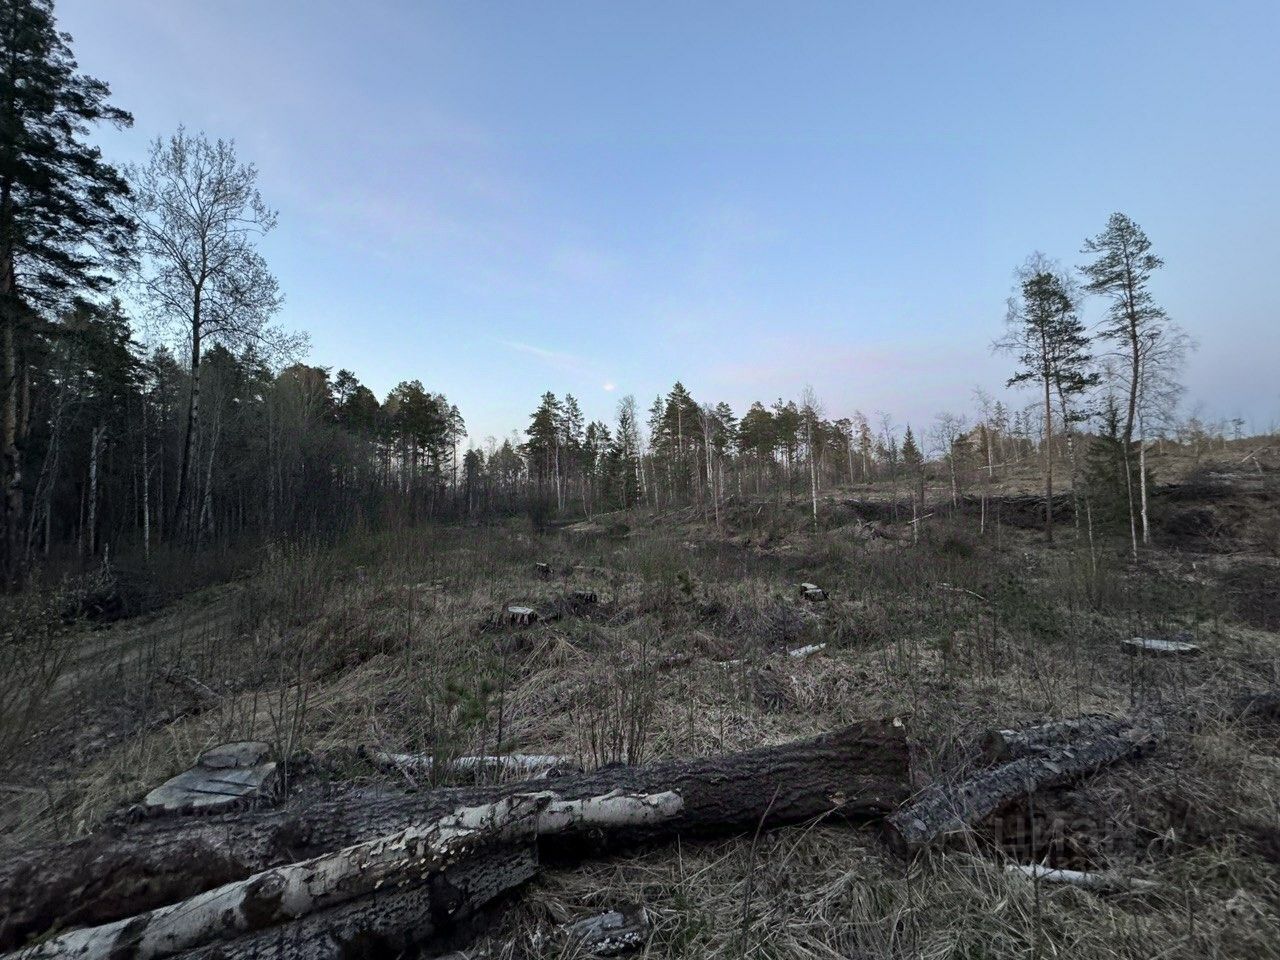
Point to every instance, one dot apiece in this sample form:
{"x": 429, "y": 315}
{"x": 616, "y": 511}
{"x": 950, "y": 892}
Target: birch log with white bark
{"x": 395, "y": 862}
{"x": 525, "y": 766}
{"x": 861, "y": 771}
{"x": 388, "y": 923}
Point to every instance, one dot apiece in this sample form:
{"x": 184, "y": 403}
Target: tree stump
{"x": 812, "y": 592}
{"x": 222, "y": 776}
{"x": 521, "y": 616}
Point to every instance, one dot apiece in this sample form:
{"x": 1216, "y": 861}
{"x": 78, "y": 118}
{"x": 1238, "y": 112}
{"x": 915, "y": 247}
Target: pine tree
{"x": 544, "y": 433}
{"x": 758, "y": 438}
{"x": 625, "y": 454}
{"x": 1146, "y": 342}
{"x": 913, "y": 463}
{"x": 1105, "y": 483}
{"x": 1051, "y": 346}
{"x": 61, "y": 218}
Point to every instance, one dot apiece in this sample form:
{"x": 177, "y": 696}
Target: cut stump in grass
{"x": 521, "y": 616}
{"x": 224, "y": 776}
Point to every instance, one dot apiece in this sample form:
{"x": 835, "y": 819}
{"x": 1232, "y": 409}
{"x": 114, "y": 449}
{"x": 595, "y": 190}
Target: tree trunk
{"x": 146, "y": 486}
{"x": 186, "y": 465}
{"x": 861, "y": 771}
{"x": 1048, "y": 452}
{"x": 1142, "y": 486}
{"x": 10, "y": 454}
{"x": 813, "y": 475}
{"x": 95, "y": 445}
{"x": 943, "y": 811}
{"x": 391, "y": 923}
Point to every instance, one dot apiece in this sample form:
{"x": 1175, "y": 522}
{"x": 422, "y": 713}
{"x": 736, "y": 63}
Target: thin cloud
{"x": 558, "y": 358}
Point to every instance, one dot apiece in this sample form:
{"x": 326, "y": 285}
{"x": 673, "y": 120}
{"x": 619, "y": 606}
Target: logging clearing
{"x": 299, "y": 665}
{"x": 505, "y": 798}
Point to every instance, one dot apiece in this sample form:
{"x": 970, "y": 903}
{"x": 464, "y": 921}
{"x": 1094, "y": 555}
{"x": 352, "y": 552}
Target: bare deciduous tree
{"x": 200, "y": 216}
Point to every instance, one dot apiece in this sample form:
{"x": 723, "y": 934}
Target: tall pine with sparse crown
{"x": 61, "y": 222}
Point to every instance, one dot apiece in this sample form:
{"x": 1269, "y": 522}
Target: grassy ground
{"x": 397, "y": 641}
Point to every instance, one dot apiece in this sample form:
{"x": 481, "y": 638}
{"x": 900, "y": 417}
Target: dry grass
{"x": 397, "y": 641}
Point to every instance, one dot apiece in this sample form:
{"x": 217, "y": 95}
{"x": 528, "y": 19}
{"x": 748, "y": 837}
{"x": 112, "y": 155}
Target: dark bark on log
{"x": 943, "y": 811}
{"x": 858, "y": 772}
{"x": 1003, "y": 745}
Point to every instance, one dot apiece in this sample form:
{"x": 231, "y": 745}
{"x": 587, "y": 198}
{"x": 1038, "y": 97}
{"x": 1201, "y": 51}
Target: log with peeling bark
{"x": 525, "y": 766}
{"x": 420, "y": 854}
{"x": 946, "y": 810}
{"x": 859, "y": 772}
{"x": 1002, "y": 745}
{"x": 389, "y": 923}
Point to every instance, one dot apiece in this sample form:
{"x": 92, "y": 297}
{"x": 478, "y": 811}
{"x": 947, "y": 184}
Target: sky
{"x": 600, "y": 198}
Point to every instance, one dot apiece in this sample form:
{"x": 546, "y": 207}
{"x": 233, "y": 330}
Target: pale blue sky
{"x": 601, "y": 197}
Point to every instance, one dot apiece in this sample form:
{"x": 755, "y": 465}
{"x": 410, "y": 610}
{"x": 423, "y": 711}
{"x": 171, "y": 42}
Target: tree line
{"x": 148, "y": 396}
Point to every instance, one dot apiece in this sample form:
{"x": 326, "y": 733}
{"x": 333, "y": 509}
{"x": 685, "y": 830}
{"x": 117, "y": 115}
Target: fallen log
{"x": 400, "y": 861}
{"x": 943, "y": 811}
{"x": 388, "y": 923}
{"x": 525, "y": 766}
{"x": 1002, "y": 745}
{"x": 858, "y": 772}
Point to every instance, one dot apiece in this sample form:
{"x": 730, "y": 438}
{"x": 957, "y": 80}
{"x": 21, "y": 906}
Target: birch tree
{"x": 811, "y": 417}
{"x": 200, "y": 217}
